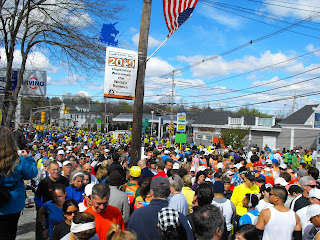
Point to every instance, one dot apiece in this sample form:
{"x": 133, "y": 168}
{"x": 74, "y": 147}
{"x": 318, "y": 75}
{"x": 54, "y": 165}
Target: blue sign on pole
{"x": 14, "y": 80}
{"x": 317, "y": 120}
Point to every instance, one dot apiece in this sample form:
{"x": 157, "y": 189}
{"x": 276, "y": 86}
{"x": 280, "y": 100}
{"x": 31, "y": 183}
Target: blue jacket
{"x": 144, "y": 221}
{"x": 26, "y": 169}
{"x": 75, "y": 193}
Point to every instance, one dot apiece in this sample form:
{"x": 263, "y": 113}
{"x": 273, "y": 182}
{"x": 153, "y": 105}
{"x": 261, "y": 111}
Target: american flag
{"x": 176, "y": 12}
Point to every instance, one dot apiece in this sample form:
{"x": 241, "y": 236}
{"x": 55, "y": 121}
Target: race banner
{"x": 120, "y": 73}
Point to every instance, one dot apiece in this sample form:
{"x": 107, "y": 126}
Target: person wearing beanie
{"x": 227, "y": 207}
{"x": 118, "y": 198}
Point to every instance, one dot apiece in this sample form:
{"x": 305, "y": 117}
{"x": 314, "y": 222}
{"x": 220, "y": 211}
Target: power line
{"x": 269, "y": 101}
{"x": 267, "y": 83}
{"x": 242, "y": 46}
{"x": 254, "y": 12}
{"x": 277, "y": 5}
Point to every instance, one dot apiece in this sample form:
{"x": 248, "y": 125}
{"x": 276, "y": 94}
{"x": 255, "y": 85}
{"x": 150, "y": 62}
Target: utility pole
{"x": 139, "y": 94}
{"x": 294, "y": 101}
{"x": 171, "y": 117}
{"x": 105, "y": 115}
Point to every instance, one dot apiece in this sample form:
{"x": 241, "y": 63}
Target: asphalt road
{"x": 27, "y": 224}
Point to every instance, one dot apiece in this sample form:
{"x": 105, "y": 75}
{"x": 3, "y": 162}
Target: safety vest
{"x": 203, "y": 162}
{"x": 131, "y": 191}
{"x": 268, "y": 174}
{"x": 294, "y": 179}
{"x": 211, "y": 163}
{"x": 307, "y": 159}
{"x": 141, "y": 203}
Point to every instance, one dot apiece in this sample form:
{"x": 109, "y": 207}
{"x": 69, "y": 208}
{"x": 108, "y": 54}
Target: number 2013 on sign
{"x": 122, "y": 62}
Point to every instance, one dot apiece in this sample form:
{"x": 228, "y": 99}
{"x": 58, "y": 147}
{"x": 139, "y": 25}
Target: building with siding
{"x": 299, "y": 129}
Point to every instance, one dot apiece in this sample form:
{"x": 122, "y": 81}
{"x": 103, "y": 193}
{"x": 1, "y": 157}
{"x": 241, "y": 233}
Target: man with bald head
{"x": 87, "y": 168}
{"x": 145, "y": 171}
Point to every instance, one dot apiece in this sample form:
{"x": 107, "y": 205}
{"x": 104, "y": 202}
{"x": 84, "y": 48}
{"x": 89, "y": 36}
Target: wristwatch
{"x": 44, "y": 227}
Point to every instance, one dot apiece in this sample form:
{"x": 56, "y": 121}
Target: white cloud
{"x": 292, "y": 8}
{"x": 311, "y": 48}
{"x": 83, "y": 93}
{"x": 36, "y": 60}
{"x": 152, "y": 42}
{"x": 69, "y": 80}
{"x": 81, "y": 20}
{"x": 93, "y": 86}
{"x": 157, "y": 67}
{"x": 220, "y": 17}
{"x": 220, "y": 67}
{"x": 295, "y": 84}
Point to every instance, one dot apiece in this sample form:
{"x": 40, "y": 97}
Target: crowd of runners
{"x": 85, "y": 188}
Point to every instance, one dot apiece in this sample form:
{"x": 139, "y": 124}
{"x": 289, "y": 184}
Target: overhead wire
{"x": 270, "y": 82}
{"x": 254, "y": 12}
{"x": 240, "y": 46}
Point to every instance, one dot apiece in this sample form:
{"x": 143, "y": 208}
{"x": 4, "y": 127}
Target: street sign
{"x": 181, "y": 138}
{"x": 98, "y": 121}
{"x": 145, "y": 123}
{"x": 181, "y": 122}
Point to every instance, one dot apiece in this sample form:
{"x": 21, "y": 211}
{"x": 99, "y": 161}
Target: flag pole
{"x": 168, "y": 38}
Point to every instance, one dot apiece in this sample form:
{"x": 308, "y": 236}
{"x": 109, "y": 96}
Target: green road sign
{"x": 181, "y": 138}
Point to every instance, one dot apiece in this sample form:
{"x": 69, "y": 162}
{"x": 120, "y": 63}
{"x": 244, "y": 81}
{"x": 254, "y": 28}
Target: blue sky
{"x": 227, "y": 81}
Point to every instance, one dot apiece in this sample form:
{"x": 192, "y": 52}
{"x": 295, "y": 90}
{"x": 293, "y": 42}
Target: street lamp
{"x": 152, "y": 112}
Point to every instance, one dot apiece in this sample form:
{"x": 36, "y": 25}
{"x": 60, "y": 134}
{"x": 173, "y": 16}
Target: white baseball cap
{"x": 220, "y": 165}
{"x": 66, "y": 163}
{"x": 283, "y": 166}
{"x": 192, "y": 169}
{"x": 166, "y": 152}
{"x": 269, "y": 161}
{"x": 176, "y": 166}
{"x": 201, "y": 168}
{"x": 313, "y": 210}
{"x": 238, "y": 165}
{"x": 60, "y": 152}
{"x": 88, "y": 189}
{"x": 280, "y": 181}
{"x": 314, "y": 192}
{"x": 85, "y": 148}
{"x": 107, "y": 150}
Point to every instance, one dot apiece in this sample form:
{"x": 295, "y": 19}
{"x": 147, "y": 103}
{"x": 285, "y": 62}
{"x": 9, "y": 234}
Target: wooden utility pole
{"x": 139, "y": 94}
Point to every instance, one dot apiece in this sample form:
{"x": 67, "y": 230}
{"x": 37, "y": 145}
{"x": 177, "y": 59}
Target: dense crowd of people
{"x": 86, "y": 188}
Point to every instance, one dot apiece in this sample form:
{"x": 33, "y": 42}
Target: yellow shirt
{"x": 189, "y": 194}
{"x": 238, "y": 195}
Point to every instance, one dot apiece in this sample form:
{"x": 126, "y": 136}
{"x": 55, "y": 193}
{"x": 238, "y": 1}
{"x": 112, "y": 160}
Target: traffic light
{"x": 43, "y": 117}
{"x": 32, "y": 118}
{"x": 170, "y": 127}
{"x": 67, "y": 109}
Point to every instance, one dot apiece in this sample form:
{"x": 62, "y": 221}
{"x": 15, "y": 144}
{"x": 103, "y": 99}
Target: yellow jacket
{"x": 238, "y": 195}
{"x": 189, "y": 194}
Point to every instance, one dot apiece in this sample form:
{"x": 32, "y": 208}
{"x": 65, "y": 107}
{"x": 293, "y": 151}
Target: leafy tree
{"x": 235, "y": 137}
{"x": 67, "y": 31}
{"x": 246, "y": 111}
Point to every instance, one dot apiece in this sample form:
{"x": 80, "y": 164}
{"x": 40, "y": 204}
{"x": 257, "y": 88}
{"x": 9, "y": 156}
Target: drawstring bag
{"x": 5, "y": 194}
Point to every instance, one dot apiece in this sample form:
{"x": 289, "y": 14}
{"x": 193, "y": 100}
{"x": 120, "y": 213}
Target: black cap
{"x": 250, "y": 176}
{"x": 152, "y": 161}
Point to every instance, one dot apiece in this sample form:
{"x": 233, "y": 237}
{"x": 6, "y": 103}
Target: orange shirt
{"x": 103, "y": 221}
